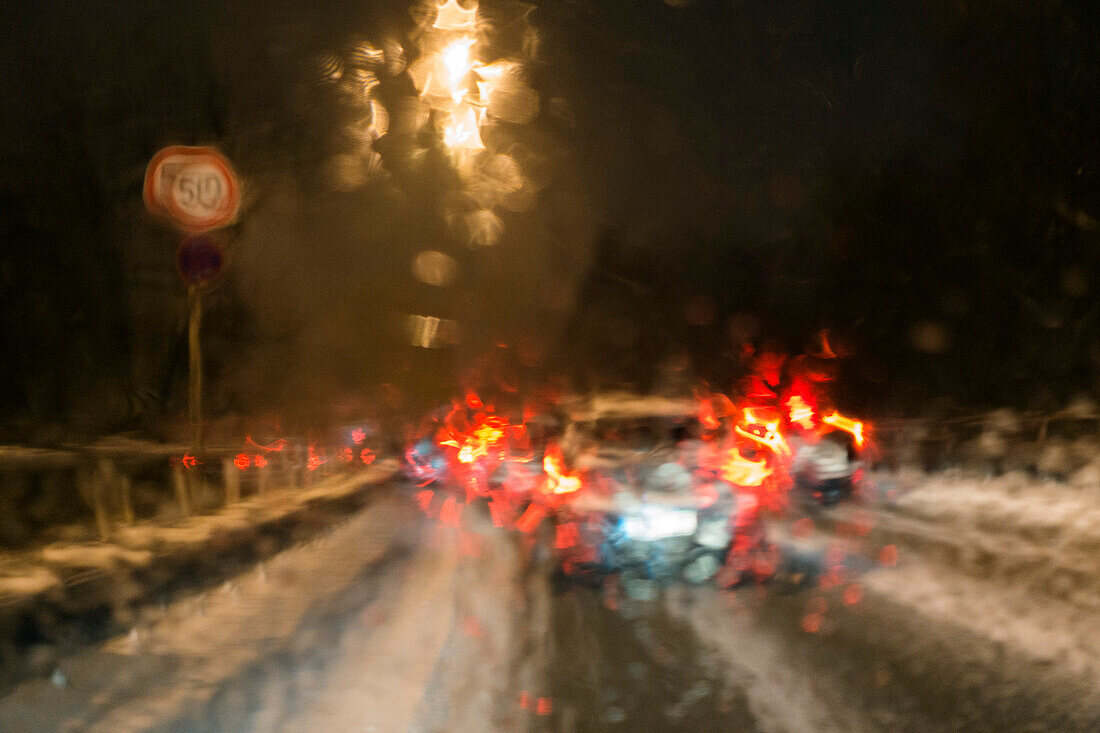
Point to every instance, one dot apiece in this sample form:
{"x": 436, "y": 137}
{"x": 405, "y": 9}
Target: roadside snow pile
{"x": 1053, "y": 515}
{"x": 197, "y": 664}
{"x": 21, "y": 579}
{"x": 94, "y": 556}
{"x": 1038, "y": 537}
{"x": 1047, "y": 631}
{"x": 43, "y": 591}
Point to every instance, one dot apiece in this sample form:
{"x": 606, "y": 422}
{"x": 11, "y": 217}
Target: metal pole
{"x": 194, "y": 402}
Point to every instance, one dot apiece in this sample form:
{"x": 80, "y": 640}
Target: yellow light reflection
{"x": 461, "y": 131}
{"x": 455, "y": 59}
{"x": 451, "y": 16}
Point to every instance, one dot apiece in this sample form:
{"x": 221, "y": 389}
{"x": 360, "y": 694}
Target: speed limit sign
{"x": 194, "y": 187}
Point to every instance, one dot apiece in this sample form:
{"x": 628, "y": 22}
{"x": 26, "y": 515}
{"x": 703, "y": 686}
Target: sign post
{"x": 199, "y": 261}
{"x": 197, "y": 190}
{"x": 194, "y": 372}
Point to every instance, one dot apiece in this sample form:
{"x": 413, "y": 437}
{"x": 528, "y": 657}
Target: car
{"x": 609, "y": 430}
{"x": 826, "y": 467}
{"x": 648, "y": 515}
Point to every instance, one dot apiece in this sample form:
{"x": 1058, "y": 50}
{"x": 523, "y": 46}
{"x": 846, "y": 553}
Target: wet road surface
{"x": 392, "y": 622}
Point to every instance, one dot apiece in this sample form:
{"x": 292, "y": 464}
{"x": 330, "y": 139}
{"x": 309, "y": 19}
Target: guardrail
{"x": 44, "y": 492}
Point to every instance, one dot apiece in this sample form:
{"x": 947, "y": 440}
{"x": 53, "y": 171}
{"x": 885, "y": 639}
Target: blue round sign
{"x": 199, "y": 260}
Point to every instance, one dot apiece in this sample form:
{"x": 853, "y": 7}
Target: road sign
{"x": 193, "y": 186}
{"x": 199, "y": 260}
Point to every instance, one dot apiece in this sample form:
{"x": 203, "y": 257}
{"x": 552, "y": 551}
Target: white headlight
{"x": 654, "y": 523}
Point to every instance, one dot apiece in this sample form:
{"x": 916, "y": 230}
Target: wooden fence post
{"x": 179, "y": 482}
{"x": 231, "y": 477}
{"x": 126, "y": 498}
{"x": 290, "y": 475}
{"x": 90, "y": 485}
{"x": 263, "y": 479}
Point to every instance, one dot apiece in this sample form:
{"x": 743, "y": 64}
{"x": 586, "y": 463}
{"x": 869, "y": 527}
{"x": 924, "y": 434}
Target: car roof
{"x": 631, "y": 406}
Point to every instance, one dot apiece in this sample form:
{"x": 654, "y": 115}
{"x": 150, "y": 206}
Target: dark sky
{"x": 918, "y": 177}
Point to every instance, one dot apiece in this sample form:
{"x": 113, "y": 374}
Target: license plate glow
{"x": 656, "y": 523}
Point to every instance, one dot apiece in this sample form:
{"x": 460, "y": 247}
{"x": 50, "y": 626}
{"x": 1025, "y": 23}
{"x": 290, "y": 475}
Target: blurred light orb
{"x": 498, "y": 70}
{"x": 410, "y": 115}
{"x": 515, "y": 103}
{"x": 452, "y": 16}
{"x": 366, "y": 56}
{"x": 532, "y": 43}
{"x": 434, "y": 268}
{"x": 346, "y": 172}
{"x": 431, "y": 332}
{"x": 483, "y": 228}
{"x": 421, "y": 73}
{"x": 394, "y": 55}
{"x": 373, "y": 167}
{"x": 929, "y": 337}
{"x": 358, "y": 85}
{"x": 505, "y": 173}
{"x": 329, "y": 67}
{"x": 521, "y": 200}
{"x": 364, "y": 131}
{"x": 443, "y": 75}
{"x": 537, "y": 171}
{"x": 505, "y": 94}
{"x": 380, "y": 118}
{"x": 456, "y": 62}
{"x": 461, "y": 132}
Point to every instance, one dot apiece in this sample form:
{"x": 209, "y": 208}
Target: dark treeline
{"x": 920, "y": 178}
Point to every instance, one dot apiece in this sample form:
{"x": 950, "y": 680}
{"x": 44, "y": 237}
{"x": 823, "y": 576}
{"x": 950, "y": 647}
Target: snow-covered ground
{"x": 174, "y": 662}
{"x": 64, "y": 594}
{"x": 391, "y": 622}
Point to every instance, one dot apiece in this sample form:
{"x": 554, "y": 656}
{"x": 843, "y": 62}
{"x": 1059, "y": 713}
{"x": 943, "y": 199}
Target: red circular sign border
{"x": 152, "y": 171}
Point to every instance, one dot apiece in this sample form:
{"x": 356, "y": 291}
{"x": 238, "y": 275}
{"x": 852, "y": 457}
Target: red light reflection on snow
{"x": 451, "y": 512}
{"x": 469, "y": 544}
{"x": 314, "y": 461}
{"x": 531, "y": 519}
{"x": 472, "y": 626}
{"x": 566, "y": 536}
{"x": 803, "y": 527}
